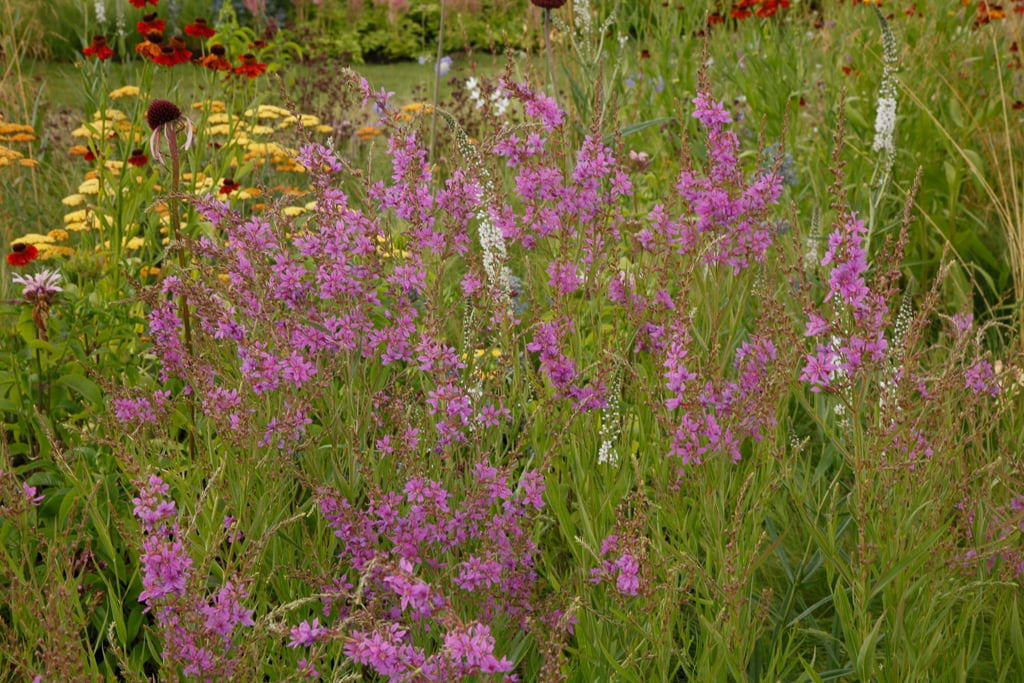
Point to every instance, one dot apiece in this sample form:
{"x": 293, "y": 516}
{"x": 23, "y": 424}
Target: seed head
{"x": 162, "y": 112}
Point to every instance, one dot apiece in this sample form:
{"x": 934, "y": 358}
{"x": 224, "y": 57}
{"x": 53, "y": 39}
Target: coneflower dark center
{"x": 161, "y": 112}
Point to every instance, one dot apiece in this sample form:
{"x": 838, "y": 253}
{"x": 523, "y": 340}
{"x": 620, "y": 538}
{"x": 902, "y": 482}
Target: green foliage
{"x": 835, "y": 549}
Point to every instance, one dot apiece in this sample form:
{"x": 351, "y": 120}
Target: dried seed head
{"x": 162, "y": 112}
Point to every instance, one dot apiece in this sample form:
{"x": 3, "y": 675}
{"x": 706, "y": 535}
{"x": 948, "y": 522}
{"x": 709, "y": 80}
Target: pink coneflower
{"x": 165, "y": 119}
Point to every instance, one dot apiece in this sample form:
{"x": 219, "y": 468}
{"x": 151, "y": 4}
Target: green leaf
{"x": 85, "y": 387}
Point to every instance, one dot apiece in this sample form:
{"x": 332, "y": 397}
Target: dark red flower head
{"x": 142, "y": 3}
{"x": 138, "y": 158}
{"x": 199, "y": 29}
{"x": 228, "y": 185}
{"x": 257, "y": 44}
{"x": 218, "y": 49}
{"x": 98, "y": 49}
{"x": 150, "y": 23}
{"x": 21, "y": 254}
{"x": 162, "y": 112}
{"x": 548, "y": 4}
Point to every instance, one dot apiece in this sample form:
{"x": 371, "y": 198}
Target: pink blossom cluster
{"x": 199, "y": 632}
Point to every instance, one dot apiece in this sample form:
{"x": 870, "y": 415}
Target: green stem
{"x": 41, "y": 400}
{"x": 547, "y": 52}
{"x": 182, "y": 262}
{"x": 176, "y": 230}
{"x": 437, "y": 84}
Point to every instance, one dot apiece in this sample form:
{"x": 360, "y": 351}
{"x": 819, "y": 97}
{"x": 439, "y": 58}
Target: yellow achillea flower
{"x": 73, "y": 200}
{"x": 147, "y": 271}
{"x": 90, "y": 186}
{"x": 48, "y": 251}
{"x": 57, "y": 234}
{"x": 324, "y": 129}
{"x": 125, "y": 91}
{"x": 293, "y": 210}
{"x": 9, "y": 154}
{"x": 77, "y": 216}
{"x": 15, "y": 128}
{"x": 110, "y": 115}
{"x": 268, "y": 111}
{"x": 32, "y": 238}
{"x": 211, "y": 106}
{"x": 28, "y": 163}
{"x": 417, "y": 108}
{"x": 307, "y": 121}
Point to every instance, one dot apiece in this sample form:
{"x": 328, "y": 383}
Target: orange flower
{"x": 98, "y": 49}
{"x": 150, "y": 47}
{"x": 216, "y": 60}
{"x": 250, "y": 67}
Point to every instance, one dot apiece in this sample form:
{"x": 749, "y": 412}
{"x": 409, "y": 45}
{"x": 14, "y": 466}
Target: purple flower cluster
{"x": 718, "y": 413}
{"x": 425, "y": 553}
{"x": 856, "y": 333}
{"x": 723, "y": 217}
{"x": 624, "y": 569}
{"x": 560, "y": 369}
{"x": 199, "y": 633}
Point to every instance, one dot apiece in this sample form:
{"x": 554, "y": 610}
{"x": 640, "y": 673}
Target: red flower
{"x": 142, "y": 3}
{"x": 250, "y": 67}
{"x": 165, "y": 56}
{"x": 21, "y": 254}
{"x": 150, "y": 23}
{"x": 847, "y": 70}
{"x": 199, "y": 29}
{"x": 228, "y": 185}
{"x": 98, "y": 49}
{"x": 181, "y": 53}
{"x": 89, "y": 156}
{"x": 138, "y": 158}
{"x": 258, "y": 44}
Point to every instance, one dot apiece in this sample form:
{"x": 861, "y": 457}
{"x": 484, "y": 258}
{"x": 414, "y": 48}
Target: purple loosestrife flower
{"x": 857, "y": 330}
{"x": 724, "y": 218}
{"x": 306, "y": 634}
{"x": 153, "y": 505}
{"x": 30, "y": 494}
